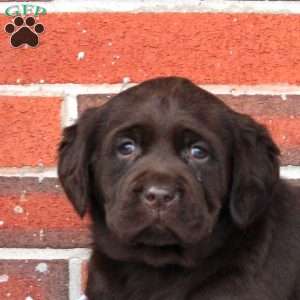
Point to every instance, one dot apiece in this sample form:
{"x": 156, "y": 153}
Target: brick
{"x": 88, "y": 101}
{"x": 262, "y": 105}
{"x": 30, "y": 129}
{"x": 84, "y": 274}
{"x": 40, "y": 280}
{"x": 212, "y": 48}
{"x": 37, "y": 214}
{"x": 282, "y": 117}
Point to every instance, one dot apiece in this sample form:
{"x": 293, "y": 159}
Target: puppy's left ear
{"x": 73, "y": 161}
{"x": 255, "y": 170}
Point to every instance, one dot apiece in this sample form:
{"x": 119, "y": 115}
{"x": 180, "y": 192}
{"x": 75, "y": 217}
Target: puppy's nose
{"x": 155, "y": 196}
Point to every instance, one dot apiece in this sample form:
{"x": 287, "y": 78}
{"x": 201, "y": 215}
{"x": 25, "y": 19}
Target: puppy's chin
{"x": 159, "y": 256}
{"x": 156, "y": 236}
{"x": 152, "y": 248}
{"x": 158, "y": 246}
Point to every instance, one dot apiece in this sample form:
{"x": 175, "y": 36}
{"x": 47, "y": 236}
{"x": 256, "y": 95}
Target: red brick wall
{"x": 251, "y": 60}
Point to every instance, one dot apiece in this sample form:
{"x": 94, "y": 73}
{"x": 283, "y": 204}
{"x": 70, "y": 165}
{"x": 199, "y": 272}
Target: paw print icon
{"x": 24, "y": 31}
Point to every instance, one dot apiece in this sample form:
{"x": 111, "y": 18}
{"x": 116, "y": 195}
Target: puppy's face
{"x": 162, "y": 174}
{"x": 157, "y": 165}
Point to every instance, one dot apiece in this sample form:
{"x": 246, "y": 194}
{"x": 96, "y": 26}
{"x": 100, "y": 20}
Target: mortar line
{"x": 158, "y": 6}
{"x": 68, "y": 89}
{"x": 75, "y": 278}
{"x": 69, "y": 110}
{"x": 35, "y": 172}
{"x": 44, "y": 254}
{"x": 287, "y": 172}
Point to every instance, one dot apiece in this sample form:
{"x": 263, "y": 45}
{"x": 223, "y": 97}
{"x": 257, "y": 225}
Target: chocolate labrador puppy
{"x": 185, "y": 199}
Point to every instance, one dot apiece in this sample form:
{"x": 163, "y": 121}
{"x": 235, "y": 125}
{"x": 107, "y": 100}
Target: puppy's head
{"x": 161, "y": 165}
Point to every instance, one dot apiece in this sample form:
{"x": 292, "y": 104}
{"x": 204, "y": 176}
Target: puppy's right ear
{"x": 73, "y": 161}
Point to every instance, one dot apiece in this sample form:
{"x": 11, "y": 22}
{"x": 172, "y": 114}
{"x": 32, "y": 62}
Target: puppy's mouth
{"x": 156, "y": 236}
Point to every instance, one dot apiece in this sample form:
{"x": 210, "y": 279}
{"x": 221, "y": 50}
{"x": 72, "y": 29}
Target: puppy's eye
{"x": 126, "y": 148}
{"x": 198, "y": 152}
